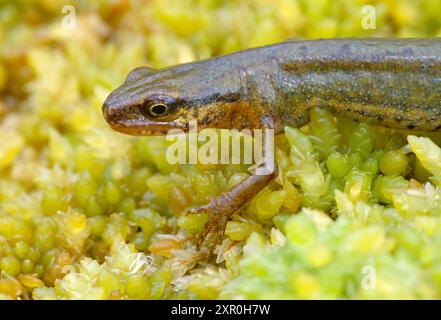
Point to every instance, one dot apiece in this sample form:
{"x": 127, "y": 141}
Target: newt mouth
{"x": 151, "y": 129}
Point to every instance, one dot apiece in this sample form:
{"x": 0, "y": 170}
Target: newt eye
{"x": 158, "y": 109}
{"x": 158, "y": 106}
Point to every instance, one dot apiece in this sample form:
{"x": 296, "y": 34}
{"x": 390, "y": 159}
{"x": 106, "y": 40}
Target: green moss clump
{"x": 86, "y": 213}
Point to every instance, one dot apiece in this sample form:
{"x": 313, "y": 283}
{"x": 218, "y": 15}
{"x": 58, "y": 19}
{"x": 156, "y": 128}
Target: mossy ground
{"x": 86, "y": 213}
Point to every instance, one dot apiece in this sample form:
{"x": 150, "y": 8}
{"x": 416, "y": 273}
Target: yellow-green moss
{"x": 81, "y": 205}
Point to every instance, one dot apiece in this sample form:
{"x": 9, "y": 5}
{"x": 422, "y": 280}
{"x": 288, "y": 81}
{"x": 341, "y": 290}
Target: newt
{"x": 389, "y": 82}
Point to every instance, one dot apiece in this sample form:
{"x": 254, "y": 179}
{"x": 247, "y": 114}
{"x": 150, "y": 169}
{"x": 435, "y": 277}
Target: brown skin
{"x": 390, "y": 82}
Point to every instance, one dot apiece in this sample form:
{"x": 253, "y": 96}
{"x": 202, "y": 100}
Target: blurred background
{"x": 71, "y": 188}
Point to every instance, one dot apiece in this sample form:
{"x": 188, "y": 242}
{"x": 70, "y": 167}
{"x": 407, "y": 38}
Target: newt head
{"x": 152, "y": 102}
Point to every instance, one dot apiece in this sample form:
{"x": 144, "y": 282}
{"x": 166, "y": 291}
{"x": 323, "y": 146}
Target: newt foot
{"x": 218, "y": 216}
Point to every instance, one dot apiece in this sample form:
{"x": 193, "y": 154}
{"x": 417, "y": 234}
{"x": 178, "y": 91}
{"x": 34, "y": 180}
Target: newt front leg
{"x": 220, "y": 208}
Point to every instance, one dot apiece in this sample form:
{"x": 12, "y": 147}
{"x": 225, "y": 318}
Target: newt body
{"x": 390, "y": 82}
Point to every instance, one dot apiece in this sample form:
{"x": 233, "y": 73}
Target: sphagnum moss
{"x": 86, "y": 213}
